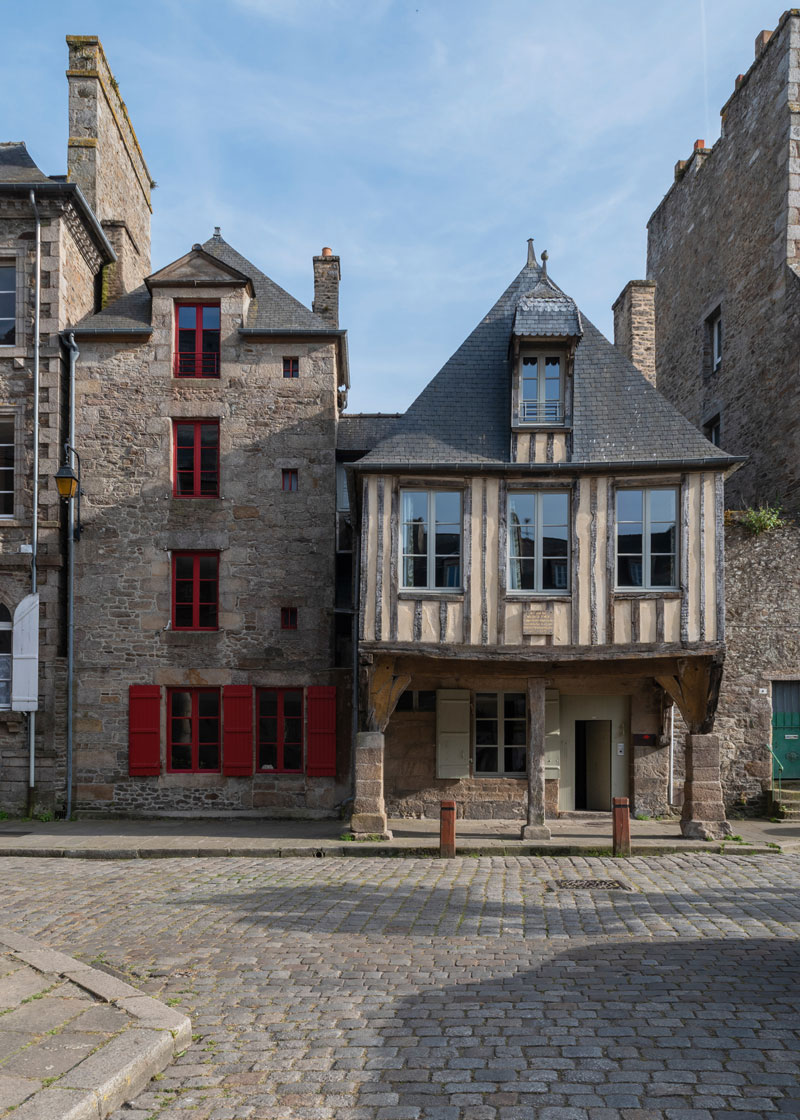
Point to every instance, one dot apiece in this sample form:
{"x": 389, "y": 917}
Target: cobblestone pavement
{"x": 472, "y": 989}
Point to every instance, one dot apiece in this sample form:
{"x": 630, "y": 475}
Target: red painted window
{"x": 192, "y": 729}
{"x": 196, "y": 459}
{"x": 197, "y": 340}
{"x": 280, "y": 729}
{"x": 195, "y": 590}
{"x": 289, "y": 480}
{"x": 291, "y": 367}
{"x": 288, "y": 618}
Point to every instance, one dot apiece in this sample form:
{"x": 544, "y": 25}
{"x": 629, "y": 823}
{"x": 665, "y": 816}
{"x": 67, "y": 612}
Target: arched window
{"x": 5, "y": 656}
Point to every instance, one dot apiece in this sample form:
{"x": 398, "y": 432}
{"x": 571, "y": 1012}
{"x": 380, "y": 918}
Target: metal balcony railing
{"x": 541, "y": 412}
{"x": 193, "y": 364}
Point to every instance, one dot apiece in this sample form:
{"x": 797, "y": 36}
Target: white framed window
{"x": 6, "y": 628}
{"x": 431, "y": 539}
{"x": 541, "y": 389}
{"x": 647, "y": 539}
{"x": 712, "y": 430}
{"x": 538, "y": 541}
{"x": 715, "y": 339}
{"x": 501, "y": 733}
{"x": 8, "y": 304}
{"x": 7, "y": 457}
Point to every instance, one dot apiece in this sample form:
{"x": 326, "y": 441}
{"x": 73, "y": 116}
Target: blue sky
{"x": 423, "y": 140}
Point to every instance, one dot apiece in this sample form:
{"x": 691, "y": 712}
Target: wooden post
{"x": 447, "y": 830}
{"x": 536, "y": 829}
{"x": 622, "y": 827}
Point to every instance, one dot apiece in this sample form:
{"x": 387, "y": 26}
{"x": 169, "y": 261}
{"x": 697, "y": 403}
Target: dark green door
{"x": 786, "y": 726}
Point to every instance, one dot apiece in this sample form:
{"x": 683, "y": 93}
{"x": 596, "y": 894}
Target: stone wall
{"x": 726, "y": 238}
{"x": 275, "y": 549}
{"x": 106, "y": 162}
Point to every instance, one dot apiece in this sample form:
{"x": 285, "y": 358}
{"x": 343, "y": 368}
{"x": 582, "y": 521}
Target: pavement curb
{"x": 387, "y": 850}
{"x": 123, "y": 1066}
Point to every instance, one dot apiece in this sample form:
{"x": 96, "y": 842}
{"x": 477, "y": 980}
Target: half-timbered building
{"x": 540, "y": 578}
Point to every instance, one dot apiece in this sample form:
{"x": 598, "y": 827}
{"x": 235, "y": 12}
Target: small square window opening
{"x": 288, "y": 618}
{"x": 289, "y": 479}
{"x": 291, "y": 367}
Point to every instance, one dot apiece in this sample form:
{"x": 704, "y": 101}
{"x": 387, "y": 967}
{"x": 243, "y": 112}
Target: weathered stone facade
{"x": 724, "y": 243}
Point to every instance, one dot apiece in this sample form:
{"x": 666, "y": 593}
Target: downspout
{"x": 74, "y": 354}
{"x": 35, "y": 486}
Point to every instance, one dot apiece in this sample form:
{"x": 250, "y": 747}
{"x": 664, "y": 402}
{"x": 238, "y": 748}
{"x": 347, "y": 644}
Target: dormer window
{"x": 542, "y": 389}
{"x": 197, "y": 341}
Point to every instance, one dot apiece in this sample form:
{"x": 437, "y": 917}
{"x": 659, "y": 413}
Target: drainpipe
{"x": 74, "y": 354}
{"x": 35, "y": 486}
{"x": 671, "y": 784}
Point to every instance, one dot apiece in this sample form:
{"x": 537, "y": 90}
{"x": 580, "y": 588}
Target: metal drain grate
{"x": 587, "y": 885}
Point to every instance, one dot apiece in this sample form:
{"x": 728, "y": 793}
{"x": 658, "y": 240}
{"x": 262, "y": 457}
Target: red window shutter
{"x": 322, "y": 732}
{"x": 144, "y": 729}
{"x": 237, "y": 714}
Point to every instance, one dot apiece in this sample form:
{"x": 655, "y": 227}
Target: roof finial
{"x": 531, "y": 254}
{"x": 545, "y": 258}
{"x": 217, "y": 234}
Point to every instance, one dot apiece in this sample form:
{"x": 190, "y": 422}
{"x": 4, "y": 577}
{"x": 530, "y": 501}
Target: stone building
{"x": 202, "y": 400}
{"x": 717, "y": 327}
{"x": 540, "y": 568}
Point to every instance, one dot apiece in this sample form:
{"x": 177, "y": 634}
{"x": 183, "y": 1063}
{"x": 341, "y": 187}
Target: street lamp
{"x": 69, "y": 486}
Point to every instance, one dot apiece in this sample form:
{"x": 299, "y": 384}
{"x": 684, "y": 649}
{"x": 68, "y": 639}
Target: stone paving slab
{"x": 242, "y": 838}
{"x": 65, "y": 1053}
{"x": 463, "y": 989}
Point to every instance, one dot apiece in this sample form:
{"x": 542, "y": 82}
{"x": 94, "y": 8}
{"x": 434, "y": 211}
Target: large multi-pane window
{"x": 6, "y": 627}
{"x": 541, "y": 389}
{"x": 193, "y": 729}
{"x": 280, "y": 729}
{"x": 6, "y": 466}
{"x": 538, "y": 541}
{"x": 431, "y": 539}
{"x": 500, "y": 733}
{"x": 8, "y": 304}
{"x": 197, "y": 349}
{"x": 195, "y": 590}
{"x": 196, "y": 444}
{"x": 647, "y": 539}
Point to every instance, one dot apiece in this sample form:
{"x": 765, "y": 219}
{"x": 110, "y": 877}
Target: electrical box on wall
{"x": 642, "y": 739}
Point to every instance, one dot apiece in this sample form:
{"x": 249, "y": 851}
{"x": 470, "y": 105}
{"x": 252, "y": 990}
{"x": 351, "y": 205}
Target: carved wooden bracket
{"x": 695, "y": 689}
{"x": 384, "y": 689}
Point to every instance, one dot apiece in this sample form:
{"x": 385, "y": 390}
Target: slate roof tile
{"x": 16, "y": 165}
{"x": 361, "y": 431}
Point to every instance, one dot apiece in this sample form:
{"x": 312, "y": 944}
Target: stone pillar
{"x": 536, "y": 829}
{"x": 369, "y": 808}
{"x": 703, "y": 815}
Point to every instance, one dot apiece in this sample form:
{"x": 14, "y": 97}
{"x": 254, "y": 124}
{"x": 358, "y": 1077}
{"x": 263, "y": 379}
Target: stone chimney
{"x": 762, "y": 39}
{"x": 326, "y": 288}
{"x": 104, "y": 159}
{"x": 635, "y": 326}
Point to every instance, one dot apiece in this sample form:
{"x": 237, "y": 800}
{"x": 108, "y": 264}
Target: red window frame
{"x": 195, "y": 477}
{"x": 200, "y": 724}
{"x": 291, "y": 367}
{"x": 203, "y": 591}
{"x": 274, "y": 741}
{"x": 290, "y": 479}
{"x": 288, "y": 618}
{"x": 197, "y": 361}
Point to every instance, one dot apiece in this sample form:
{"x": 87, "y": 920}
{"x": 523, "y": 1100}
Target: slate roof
{"x": 272, "y": 307}
{"x": 361, "y": 431}
{"x": 545, "y": 312}
{"x": 464, "y": 414}
{"x": 16, "y": 165}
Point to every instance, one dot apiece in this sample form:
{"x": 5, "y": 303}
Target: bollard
{"x": 622, "y": 827}
{"x": 447, "y": 829}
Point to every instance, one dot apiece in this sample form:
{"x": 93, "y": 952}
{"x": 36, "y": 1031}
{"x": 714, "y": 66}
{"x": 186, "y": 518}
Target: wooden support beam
{"x": 384, "y": 689}
{"x": 695, "y": 689}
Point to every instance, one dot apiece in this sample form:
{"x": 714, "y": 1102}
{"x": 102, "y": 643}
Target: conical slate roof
{"x": 464, "y": 414}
